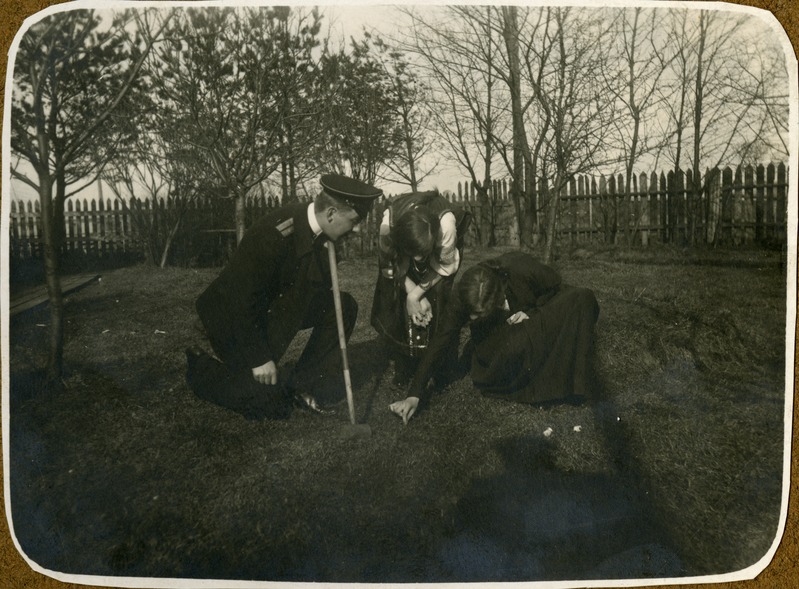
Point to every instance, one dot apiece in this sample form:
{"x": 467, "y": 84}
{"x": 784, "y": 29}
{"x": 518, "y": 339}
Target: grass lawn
{"x": 676, "y": 471}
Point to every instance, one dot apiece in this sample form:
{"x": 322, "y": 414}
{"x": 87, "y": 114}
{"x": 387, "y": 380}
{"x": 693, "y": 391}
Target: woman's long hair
{"x": 481, "y": 291}
{"x": 415, "y": 232}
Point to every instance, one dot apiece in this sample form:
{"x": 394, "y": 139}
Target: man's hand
{"x": 406, "y": 408}
{"x": 265, "y": 374}
{"x": 517, "y": 317}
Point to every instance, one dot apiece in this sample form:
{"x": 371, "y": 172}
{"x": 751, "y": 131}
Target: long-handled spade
{"x": 353, "y": 429}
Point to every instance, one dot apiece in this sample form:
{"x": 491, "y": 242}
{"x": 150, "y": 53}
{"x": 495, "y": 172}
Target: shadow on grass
{"x": 368, "y": 363}
{"x": 42, "y": 515}
{"x": 532, "y": 522}
{"x": 535, "y": 522}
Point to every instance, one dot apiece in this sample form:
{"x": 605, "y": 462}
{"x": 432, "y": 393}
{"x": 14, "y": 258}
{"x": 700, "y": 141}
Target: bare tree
{"x": 725, "y": 78}
{"x": 414, "y": 116}
{"x": 217, "y": 76}
{"x": 513, "y": 78}
{"x": 564, "y": 49}
{"x": 303, "y": 97}
{"x": 71, "y": 76}
{"x": 146, "y": 174}
{"x": 536, "y": 59}
{"x": 457, "y": 54}
{"x": 364, "y": 132}
{"x": 762, "y": 82}
{"x": 641, "y": 55}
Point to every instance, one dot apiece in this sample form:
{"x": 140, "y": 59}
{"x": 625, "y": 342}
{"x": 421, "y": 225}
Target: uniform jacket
{"x": 260, "y": 297}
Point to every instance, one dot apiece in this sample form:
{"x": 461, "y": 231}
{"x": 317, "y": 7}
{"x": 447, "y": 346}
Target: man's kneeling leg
{"x": 212, "y": 381}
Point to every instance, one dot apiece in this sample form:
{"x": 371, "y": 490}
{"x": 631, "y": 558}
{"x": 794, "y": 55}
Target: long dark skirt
{"x": 544, "y": 358}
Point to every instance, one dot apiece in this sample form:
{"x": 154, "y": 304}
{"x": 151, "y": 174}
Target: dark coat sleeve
{"x": 256, "y": 288}
{"x": 446, "y": 335}
{"x": 236, "y": 303}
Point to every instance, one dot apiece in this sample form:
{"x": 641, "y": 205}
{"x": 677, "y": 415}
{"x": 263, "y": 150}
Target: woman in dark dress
{"x": 420, "y": 252}
{"x": 531, "y": 335}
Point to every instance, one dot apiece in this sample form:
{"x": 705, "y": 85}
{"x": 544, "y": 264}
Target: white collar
{"x": 315, "y": 227}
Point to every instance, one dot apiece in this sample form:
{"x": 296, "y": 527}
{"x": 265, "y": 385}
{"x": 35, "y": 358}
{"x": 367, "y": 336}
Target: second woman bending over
{"x": 531, "y": 336}
{"x": 420, "y": 252}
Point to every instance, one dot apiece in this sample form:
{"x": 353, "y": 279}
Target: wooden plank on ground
{"x": 35, "y": 296}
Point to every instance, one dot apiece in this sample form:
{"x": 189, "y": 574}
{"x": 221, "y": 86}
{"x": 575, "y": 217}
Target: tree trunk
{"x": 552, "y": 220}
{"x": 169, "y": 239}
{"x": 240, "y": 217}
{"x": 628, "y": 183}
{"x": 407, "y": 131}
{"x": 698, "y": 105}
{"x": 293, "y": 181}
{"x": 55, "y": 359}
{"x": 284, "y": 181}
{"x": 528, "y": 226}
{"x": 510, "y": 32}
{"x": 487, "y": 225}
{"x": 291, "y": 160}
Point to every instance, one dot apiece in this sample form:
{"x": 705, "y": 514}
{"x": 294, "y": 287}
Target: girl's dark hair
{"x": 415, "y": 232}
{"x": 480, "y": 290}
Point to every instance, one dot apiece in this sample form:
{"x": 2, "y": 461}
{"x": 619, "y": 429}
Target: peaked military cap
{"x": 359, "y": 195}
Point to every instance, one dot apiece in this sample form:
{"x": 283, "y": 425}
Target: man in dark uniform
{"x": 276, "y": 284}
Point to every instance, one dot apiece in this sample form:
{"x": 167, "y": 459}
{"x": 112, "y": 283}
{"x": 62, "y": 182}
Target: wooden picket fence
{"x": 98, "y": 228}
{"x": 735, "y": 206}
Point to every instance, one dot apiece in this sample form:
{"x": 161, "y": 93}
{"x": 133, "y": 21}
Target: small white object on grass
{"x": 578, "y": 428}
{"x": 548, "y": 432}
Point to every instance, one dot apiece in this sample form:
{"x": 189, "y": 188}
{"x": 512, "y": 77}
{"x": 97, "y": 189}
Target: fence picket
{"x": 782, "y": 184}
{"x": 738, "y": 219}
{"x": 726, "y": 197}
{"x": 14, "y": 222}
{"x": 770, "y": 202}
{"x": 687, "y": 198}
{"x": 760, "y": 202}
{"x": 654, "y": 206}
{"x": 94, "y": 228}
{"x": 749, "y": 203}
{"x": 643, "y": 209}
{"x": 89, "y": 225}
{"x": 21, "y": 226}
{"x": 27, "y": 220}
{"x": 665, "y": 209}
